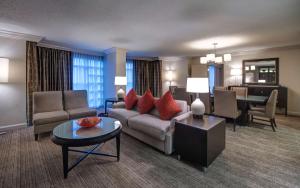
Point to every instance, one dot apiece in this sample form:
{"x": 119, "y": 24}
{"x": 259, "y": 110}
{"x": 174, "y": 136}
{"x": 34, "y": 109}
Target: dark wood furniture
{"x": 200, "y": 140}
{"x": 109, "y": 100}
{"x": 264, "y": 90}
{"x": 70, "y": 134}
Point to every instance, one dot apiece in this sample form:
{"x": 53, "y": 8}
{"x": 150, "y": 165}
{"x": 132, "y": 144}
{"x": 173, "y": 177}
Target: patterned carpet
{"x": 254, "y": 157}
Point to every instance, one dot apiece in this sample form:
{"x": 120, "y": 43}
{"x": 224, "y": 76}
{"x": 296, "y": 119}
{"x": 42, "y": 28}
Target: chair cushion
{"x": 75, "y": 99}
{"x": 49, "y": 117}
{"x": 122, "y": 114}
{"x": 167, "y": 107}
{"x": 150, "y": 125}
{"x": 81, "y": 112}
{"x": 146, "y": 102}
{"x": 47, "y": 101}
{"x": 130, "y": 99}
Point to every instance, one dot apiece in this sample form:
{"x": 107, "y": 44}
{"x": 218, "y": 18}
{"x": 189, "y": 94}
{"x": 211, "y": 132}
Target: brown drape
{"x": 46, "y": 70}
{"x": 147, "y": 75}
{"x": 54, "y": 69}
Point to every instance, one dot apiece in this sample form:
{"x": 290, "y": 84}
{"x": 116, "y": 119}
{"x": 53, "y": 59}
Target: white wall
{"x": 13, "y": 93}
{"x": 289, "y": 72}
{"x": 179, "y": 67}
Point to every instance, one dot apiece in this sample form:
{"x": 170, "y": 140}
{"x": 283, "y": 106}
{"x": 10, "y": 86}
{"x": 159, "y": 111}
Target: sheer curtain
{"x": 88, "y": 75}
{"x": 129, "y": 75}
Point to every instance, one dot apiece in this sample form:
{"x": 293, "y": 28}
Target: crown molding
{"x": 20, "y": 36}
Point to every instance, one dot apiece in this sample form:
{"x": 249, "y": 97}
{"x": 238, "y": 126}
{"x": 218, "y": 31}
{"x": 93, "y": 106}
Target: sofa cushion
{"x": 150, "y": 125}
{"x": 130, "y": 99}
{"x": 81, "y": 112}
{"x": 49, "y": 117}
{"x": 146, "y": 102}
{"x": 47, "y": 101}
{"x": 167, "y": 107}
{"x": 75, "y": 99}
{"x": 122, "y": 114}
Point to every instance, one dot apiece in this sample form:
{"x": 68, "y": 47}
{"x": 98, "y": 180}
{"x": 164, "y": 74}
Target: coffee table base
{"x": 65, "y": 153}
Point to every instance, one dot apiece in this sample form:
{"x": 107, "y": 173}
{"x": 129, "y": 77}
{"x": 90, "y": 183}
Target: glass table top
{"x": 71, "y": 130}
{"x": 252, "y": 98}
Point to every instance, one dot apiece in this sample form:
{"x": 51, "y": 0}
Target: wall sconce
{"x": 169, "y": 76}
{"x": 4, "y": 68}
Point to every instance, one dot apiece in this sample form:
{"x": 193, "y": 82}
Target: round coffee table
{"x": 70, "y": 134}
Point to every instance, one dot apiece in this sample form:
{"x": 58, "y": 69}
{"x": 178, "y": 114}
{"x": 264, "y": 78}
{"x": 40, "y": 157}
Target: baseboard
{"x": 14, "y": 126}
{"x": 293, "y": 113}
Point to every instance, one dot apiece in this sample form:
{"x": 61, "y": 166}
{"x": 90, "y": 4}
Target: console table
{"x": 200, "y": 140}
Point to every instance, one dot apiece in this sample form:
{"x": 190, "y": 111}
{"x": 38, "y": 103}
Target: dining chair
{"x": 225, "y": 105}
{"x": 268, "y": 111}
{"x": 240, "y": 91}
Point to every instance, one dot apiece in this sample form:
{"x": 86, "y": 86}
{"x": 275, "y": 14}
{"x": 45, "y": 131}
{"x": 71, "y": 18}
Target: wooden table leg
{"x": 65, "y": 160}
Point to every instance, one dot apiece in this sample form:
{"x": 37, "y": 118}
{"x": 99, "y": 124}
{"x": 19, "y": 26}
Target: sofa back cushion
{"x": 47, "y": 101}
{"x": 75, "y": 99}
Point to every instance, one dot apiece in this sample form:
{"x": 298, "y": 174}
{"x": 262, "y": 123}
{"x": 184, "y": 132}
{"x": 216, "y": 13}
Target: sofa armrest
{"x": 119, "y": 105}
{"x": 180, "y": 117}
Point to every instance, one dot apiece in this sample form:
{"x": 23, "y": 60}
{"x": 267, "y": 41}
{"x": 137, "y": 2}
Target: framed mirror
{"x": 261, "y": 71}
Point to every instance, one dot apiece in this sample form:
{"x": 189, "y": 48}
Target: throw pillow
{"x": 146, "y": 102}
{"x": 130, "y": 99}
{"x": 167, "y": 106}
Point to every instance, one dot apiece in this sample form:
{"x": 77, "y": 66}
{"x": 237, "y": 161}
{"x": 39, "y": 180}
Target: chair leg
{"x": 272, "y": 125}
{"x": 274, "y": 122}
{"x": 36, "y": 137}
{"x": 234, "y": 124}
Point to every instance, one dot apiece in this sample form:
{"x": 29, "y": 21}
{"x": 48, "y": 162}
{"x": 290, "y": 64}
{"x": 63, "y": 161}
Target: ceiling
{"x": 157, "y": 27}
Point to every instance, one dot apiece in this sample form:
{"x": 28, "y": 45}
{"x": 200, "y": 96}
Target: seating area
{"x": 158, "y": 93}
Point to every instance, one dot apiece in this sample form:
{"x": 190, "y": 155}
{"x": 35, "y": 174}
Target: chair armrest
{"x": 119, "y": 105}
{"x": 180, "y": 117}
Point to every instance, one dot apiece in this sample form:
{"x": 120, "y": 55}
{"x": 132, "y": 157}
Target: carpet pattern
{"x": 254, "y": 157}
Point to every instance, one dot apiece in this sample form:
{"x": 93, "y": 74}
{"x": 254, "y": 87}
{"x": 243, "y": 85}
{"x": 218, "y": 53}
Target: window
{"x": 211, "y": 73}
{"x": 129, "y": 75}
{"x": 88, "y": 75}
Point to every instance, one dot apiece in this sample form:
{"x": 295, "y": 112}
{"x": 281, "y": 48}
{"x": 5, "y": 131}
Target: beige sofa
{"x": 54, "y": 107}
{"x": 149, "y": 128}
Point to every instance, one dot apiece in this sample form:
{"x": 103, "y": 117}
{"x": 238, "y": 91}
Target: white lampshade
{"x": 235, "y": 72}
{"x": 120, "y": 81}
{"x": 197, "y": 85}
{"x": 227, "y": 57}
{"x": 203, "y": 60}
{"x": 4, "y": 68}
{"x": 210, "y": 57}
{"x": 219, "y": 59}
{"x": 246, "y": 68}
{"x": 252, "y": 67}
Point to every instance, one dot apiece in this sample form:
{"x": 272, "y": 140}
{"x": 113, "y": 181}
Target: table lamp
{"x": 197, "y": 85}
{"x": 120, "y": 81}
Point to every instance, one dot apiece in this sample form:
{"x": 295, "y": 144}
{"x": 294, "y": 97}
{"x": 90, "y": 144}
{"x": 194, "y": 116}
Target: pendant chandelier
{"x": 213, "y": 58}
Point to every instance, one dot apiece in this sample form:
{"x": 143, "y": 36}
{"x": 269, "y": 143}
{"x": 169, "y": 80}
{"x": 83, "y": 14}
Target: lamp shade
{"x": 197, "y": 85}
{"x": 169, "y": 75}
{"x": 210, "y": 57}
{"x": 227, "y": 57}
{"x": 219, "y": 59}
{"x": 235, "y": 72}
{"x": 120, "y": 81}
{"x": 4, "y": 68}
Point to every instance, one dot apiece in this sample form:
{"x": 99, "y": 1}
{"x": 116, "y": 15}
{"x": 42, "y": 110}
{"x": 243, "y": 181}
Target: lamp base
{"x": 197, "y": 116}
{"x": 198, "y": 108}
{"x": 120, "y": 94}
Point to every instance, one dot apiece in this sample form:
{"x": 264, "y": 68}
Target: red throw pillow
{"x": 146, "y": 102}
{"x": 167, "y": 106}
{"x": 130, "y": 99}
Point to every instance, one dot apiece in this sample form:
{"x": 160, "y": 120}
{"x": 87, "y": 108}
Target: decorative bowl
{"x": 88, "y": 121}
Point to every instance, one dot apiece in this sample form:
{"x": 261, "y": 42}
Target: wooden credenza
{"x": 265, "y": 90}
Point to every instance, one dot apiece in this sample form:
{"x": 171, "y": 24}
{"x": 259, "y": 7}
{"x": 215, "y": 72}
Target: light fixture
{"x": 213, "y": 58}
{"x": 120, "y": 81}
{"x": 252, "y": 67}
{"x": 169, "y": 76}
{"x": 246, "y": 68}
{"x": 4, "y": 69}
{"x": 197, "y": 85}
